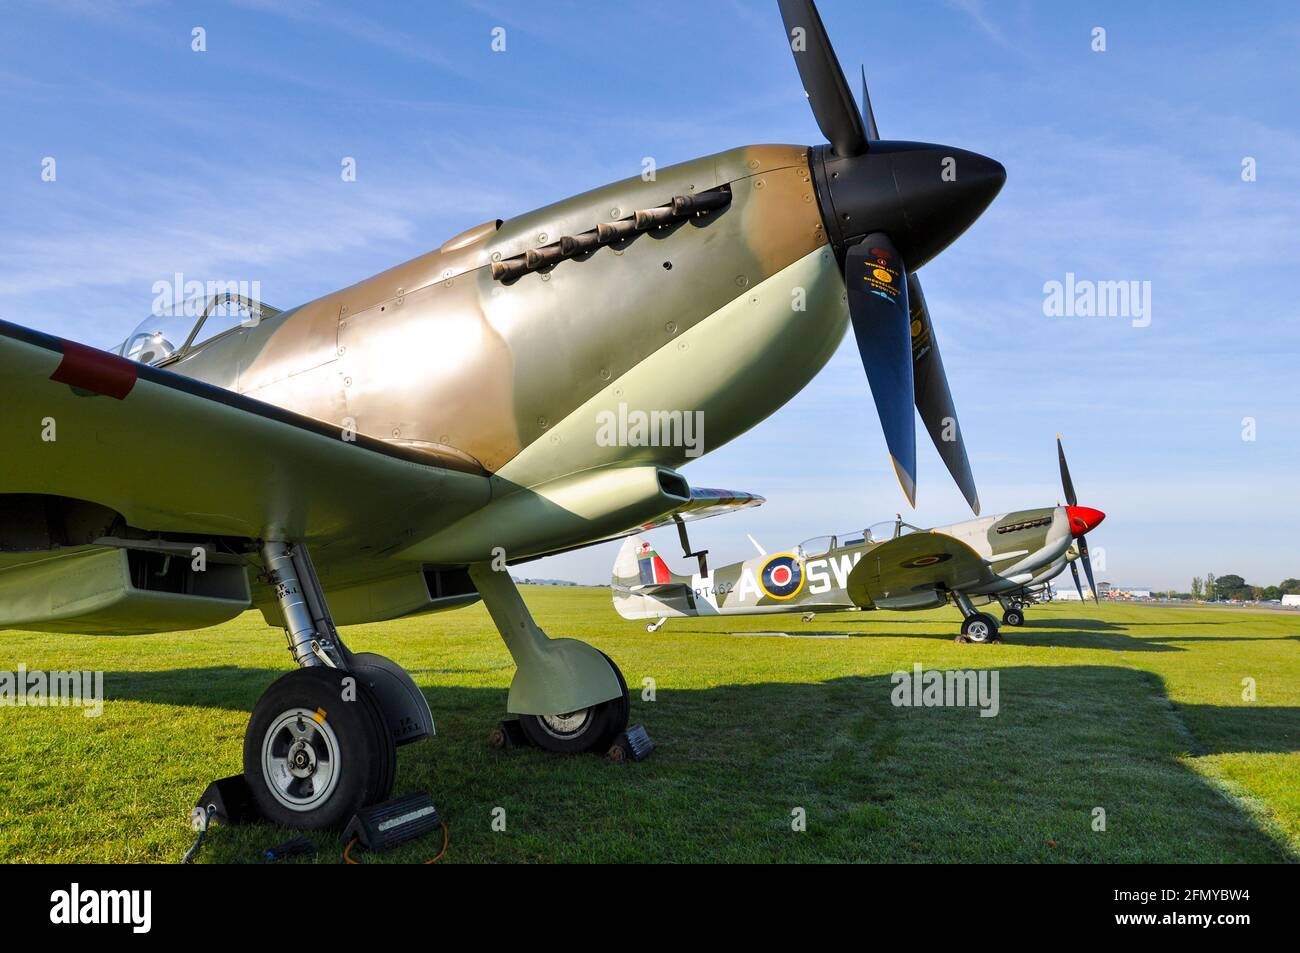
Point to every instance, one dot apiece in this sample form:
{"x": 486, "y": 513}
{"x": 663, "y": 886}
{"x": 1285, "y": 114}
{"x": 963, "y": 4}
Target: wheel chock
{"x": 632, "y": 745}
{"x": 227, "y": 800}
{"x": 509, "y": 734}
{"x": 383, "y": 826}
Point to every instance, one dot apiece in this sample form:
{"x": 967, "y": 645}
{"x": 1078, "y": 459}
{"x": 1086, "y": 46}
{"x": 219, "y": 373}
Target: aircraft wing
{"x": 169, "y": 453}
{"x": 911, "y": 568}
{"x": 706, "y": 502}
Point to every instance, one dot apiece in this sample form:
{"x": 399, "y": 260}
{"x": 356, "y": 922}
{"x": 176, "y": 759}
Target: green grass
{"x": 1134, "y": 709}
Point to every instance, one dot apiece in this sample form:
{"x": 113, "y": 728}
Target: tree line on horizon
{"x": 1231, "y": 586}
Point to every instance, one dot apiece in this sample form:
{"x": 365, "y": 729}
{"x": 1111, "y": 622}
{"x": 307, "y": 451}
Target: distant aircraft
{"x": 389, "y": 448}
{"x": 1010, "y": 559}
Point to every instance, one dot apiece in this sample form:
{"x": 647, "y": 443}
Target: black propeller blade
{"x": 1066, "y": 483}
{"x": 876, "y": 279}
{"x": 933, "y": 396}
{"x": 823, "y": 80}
{"x": 1074, "y": 571}
{"x": 868, "y": 117}
{"x": 1087, "y": 569}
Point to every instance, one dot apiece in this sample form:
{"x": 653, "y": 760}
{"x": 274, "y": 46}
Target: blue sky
{"x": 1122, "y": 165}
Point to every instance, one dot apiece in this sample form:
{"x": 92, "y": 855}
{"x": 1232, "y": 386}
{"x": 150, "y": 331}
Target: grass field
{"x": 1137, "y": 710}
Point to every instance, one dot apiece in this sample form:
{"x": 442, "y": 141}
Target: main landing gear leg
{"x": 322, "y": 742}
{"x": 976, "y": 626}
{"x": 569, "y": 696}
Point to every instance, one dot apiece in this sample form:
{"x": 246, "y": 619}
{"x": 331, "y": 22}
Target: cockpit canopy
{"x": 879, "y": 533}
{"x": 165, "y": 337}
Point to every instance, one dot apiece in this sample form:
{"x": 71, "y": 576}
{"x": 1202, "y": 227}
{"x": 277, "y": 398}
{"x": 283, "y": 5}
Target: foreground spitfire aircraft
{"x": 1010, "y": 558}
{"x": 386, "y": 449}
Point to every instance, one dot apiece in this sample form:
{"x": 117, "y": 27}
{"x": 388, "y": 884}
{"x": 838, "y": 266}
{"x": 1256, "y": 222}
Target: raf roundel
{"x": 920, "y": 562}
{"x": 781, "y": 577}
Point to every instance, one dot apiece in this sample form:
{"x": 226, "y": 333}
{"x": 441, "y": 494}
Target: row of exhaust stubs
{"x": 681, "y": 208}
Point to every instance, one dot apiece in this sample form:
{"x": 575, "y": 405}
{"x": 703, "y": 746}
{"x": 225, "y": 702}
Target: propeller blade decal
{"x": 934, "y": 397}
{"x": 823, "y": 80}
{"x": 1087, "y": 569}
{"x": 876, "y": 279}
{"x": 868, "y": 116}
{"x": 1066, "y": 483}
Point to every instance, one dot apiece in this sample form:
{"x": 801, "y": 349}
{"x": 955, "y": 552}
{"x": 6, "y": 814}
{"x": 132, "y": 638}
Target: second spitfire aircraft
{"x": 422, "y": 428}
{"x": 1010, "y": 558}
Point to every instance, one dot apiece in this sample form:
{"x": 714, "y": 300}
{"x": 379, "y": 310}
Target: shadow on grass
{"x": 1247, "y": 728}
{"x": 1084, "y": 639}
{"x": 1059, "y": 634}
{"x": 1091, "y": 625}
{"x": 877, "y": 782}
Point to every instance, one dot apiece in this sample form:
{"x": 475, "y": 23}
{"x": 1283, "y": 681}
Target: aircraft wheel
{"x": 587, "y": 729}
{"x": 979, "y": 628}
{"x": 1014, "y": 617}
{"x": 317, "y": 750}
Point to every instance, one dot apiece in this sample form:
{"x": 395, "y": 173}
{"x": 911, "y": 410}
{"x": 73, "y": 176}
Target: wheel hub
{"x": 300, "y": 759}
{"x": 566, "y": 725}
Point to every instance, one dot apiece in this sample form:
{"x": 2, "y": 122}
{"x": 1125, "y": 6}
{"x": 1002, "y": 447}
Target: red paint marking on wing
{"x": 94, "y": 370}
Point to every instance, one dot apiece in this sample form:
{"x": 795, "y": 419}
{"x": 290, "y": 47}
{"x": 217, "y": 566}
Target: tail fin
{"x": 639, "y": 565}
{"x": 643, "y": 587}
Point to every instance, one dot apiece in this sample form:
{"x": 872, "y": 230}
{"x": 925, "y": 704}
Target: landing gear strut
{"x": 569, "y": 696}
{"x": 322, "y": 742}
{"x": 1013, "y": 612}
{"x": 979, "y": 627}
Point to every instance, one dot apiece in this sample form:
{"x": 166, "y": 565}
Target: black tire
{"x": 1013, "y": 617}
{"x": 980, "y": 628}
{"x": 351, "y": 738}
{"x": 591, "y": 729}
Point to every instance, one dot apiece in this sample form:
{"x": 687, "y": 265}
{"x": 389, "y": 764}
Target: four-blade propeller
{"x": 1082, "y": 519}
{"x": 891, "y": 323}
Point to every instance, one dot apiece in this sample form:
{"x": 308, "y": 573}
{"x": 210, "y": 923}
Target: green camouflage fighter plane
{"x": 1010, "y": 558}
{"x": 389, "y": 448}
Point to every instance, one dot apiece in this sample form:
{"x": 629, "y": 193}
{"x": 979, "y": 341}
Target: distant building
{"x": 1070, "y": 595}
{"x": 1292, "y": 600}
{"x": 1103, "y": 590}
{"x": 1133, "y": 593}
